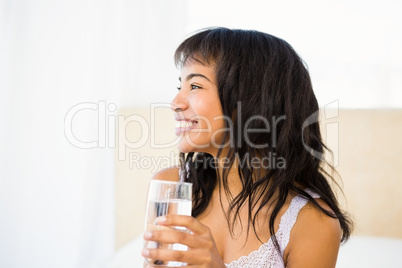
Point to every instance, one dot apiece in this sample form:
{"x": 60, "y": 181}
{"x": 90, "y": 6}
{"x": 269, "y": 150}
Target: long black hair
{"x": 260, "y": 76}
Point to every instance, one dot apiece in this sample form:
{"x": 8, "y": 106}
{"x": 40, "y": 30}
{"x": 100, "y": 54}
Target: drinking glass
{"x": 167, "y": 197}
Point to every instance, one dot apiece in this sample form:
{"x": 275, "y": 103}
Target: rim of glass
{"x": 172, "y": 182}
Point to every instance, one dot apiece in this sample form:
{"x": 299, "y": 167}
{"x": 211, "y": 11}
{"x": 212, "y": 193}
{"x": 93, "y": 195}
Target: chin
{"x": 185, "y": 148}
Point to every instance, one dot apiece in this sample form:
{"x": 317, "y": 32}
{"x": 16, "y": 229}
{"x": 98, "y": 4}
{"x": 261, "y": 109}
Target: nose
{"x": 179, "y": 103}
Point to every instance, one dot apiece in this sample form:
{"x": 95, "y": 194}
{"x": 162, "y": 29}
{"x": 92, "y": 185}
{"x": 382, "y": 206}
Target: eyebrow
{"x": 195, "y": 75}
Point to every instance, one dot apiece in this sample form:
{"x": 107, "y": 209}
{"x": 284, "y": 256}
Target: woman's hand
{"x": 202, "y": 251}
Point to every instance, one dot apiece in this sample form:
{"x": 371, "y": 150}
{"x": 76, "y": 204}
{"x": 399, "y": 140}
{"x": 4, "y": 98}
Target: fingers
{"x": 190, "y": 257}
{"x": 186, "y": 221}
{"x": 197, "y": 237}
{"x": 172, "y": 235}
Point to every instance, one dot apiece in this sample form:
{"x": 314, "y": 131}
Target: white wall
{"x": 352, "y": 47}
{"x": 56, "y": 200}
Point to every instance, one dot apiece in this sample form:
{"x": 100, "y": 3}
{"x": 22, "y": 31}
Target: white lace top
{"x": 267, "y": 256}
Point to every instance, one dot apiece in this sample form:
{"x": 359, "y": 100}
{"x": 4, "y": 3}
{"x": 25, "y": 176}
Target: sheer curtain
{"x": 66, "y": 67}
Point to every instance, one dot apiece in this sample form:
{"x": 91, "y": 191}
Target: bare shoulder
{"x": 314, "y": 239}
{"x": 167, "y": 174}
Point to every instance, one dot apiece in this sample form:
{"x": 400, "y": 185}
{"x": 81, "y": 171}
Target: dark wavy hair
{"x": 261, "y": 76}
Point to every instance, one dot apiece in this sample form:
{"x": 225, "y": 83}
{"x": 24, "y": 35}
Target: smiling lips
{"x": 184, "y": 126}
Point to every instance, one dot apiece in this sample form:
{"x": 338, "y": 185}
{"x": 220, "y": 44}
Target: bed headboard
{"x": 366, "y": 143}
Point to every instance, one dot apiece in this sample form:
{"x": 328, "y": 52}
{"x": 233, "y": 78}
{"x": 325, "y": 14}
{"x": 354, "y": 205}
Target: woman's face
{"x": 198, "y": 111}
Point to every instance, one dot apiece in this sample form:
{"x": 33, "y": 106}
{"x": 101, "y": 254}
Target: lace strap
{"x": 289, "y": 218}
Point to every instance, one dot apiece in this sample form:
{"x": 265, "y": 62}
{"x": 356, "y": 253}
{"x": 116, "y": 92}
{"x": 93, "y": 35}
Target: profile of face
{"x": 198, "y": 112}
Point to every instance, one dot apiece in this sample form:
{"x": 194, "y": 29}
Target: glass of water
{"x": 167, "y": 197}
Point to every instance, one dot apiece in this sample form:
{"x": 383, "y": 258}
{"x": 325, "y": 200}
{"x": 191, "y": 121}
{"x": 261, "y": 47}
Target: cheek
{"x": 199, "y": 103}
{"x": 211, "y": 118}
{"x": 209, "y": 112}
{"x": 216, "y": 126}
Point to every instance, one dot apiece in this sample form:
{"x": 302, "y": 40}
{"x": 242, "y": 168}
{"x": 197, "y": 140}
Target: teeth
{"x": 184, "y": 124}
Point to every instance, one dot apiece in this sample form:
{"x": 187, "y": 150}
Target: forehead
{"x": 199, "y": 70}
{"x": 193, "y": 64}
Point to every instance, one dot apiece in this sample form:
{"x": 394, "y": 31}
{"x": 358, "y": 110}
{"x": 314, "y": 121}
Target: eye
{"x": 194, "y": 87}
{"x": 178, "y": 88}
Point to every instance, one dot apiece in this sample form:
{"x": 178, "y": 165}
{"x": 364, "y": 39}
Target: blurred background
{"x": 68, "y": 67}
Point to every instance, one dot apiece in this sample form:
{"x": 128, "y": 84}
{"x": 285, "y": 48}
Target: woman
{"x": 252, "y": 148}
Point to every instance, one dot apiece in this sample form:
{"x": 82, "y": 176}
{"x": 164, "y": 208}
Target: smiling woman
{"x": 244, "y": 97}
{"x": 197, "y": 122}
